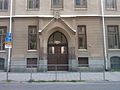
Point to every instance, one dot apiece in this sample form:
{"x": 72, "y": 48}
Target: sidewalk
{"x": 61, "y": 76}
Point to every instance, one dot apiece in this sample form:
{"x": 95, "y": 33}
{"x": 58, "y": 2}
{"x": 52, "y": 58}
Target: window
{"x": 3, "y": 5}
{"x": 57, "y": 3}
{"x": 110, "y": 4}
{"x": 82, "y": 40}
{"x": 33, "y": 4}
{"x": 2, "y": 60}
{"x": 32, "y": 37}
{"x": 31, "y": 62}
{"x": 80, "y": 3}
{"x": 83, "y": 61}
{"x": 3, "y": 31}
{"x": 115, "y": 62}
{"x": 113, "y": 37}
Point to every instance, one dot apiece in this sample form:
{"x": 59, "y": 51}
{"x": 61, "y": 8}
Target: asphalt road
{"x": 61, "y": 86}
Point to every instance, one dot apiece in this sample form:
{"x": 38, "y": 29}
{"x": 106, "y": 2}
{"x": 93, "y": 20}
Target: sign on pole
{"x": 8, "y": 40}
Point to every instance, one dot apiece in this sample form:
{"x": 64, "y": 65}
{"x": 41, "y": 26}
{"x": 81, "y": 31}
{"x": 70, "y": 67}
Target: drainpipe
{"x": 10, "y": 31}
{"x": 104, "y": 36}
{"x": 38, "y": 39}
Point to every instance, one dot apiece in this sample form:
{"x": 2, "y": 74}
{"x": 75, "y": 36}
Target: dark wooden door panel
{"x": 58, "y": 58}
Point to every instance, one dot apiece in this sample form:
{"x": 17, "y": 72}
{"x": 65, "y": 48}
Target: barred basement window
{"x": 82, "y": 40}
{"x": 113, "y": 37}
{"x": 57, "y": 3}
{"x": 3, "y": 31}
{"x": 2, "y": 62}
{"x": 31, "y": 62}
{"x": 33, "y": 4}
{"x": 32, "y": 37}
{"x": 83, "y": 61}
{"x": 115, "y": 62}
{"x": 80, "y": 3}
{"x": 110, "y": 4}
{"x": 3, "y": 5}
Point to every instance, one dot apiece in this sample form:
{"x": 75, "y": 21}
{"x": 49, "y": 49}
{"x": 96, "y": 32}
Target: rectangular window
{"x": 33, "y": 4}
{"x": 110, "y": 4}
{"x": 31, "y": 62}
{"x": 32, "y": 37}
{"x": 80, "y": 3}
{"x": 3, "y": 5}
{"x": 57, "y": 3}
{"x": 3, "y": 31}
{"x": 82, "y": 40}
{"x": 113, "y": 37}
{"x": 83, "y": 61}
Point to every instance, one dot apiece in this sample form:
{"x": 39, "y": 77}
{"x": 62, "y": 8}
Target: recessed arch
{"x": 57, "y": 36}
{"x": 66, "y": 33}
{"x": 57, "y": 51}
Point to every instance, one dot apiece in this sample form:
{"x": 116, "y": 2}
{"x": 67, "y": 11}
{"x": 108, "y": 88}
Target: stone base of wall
{"x": 21, "y": 66}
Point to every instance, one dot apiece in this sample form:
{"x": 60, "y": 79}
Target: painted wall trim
{"x": 50, "y": 16}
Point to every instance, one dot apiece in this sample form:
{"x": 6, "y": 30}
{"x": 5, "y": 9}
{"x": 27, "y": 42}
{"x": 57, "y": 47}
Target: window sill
{"x": 33, "y": 9}
{"x": 31, "y": 68}
{"x": 3, "y": 10}
{"x": 84, "y": 50}
{"x": 80, "y": 8}
{"x": 111, "y": 9}
{"x": 56, "y": 9}
{"x": 31, "y": 50}
{"x": 2, "y": 51}
{"x": 114, "y": 49}
{"x": 83, "y": 67}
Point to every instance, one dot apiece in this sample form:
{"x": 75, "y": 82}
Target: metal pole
{"x": 104, "y": 73}
{"x": 7, "y": 75}
{"x": 80, "y": 75}
{"x": 104, "y": 36}
{"x": 10, "y": 30}
{"x": 31, "y": 73}
{"x": 55, "y": 72}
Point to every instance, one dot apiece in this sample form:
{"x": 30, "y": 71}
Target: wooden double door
{"x": 57, "y": 52}
{"x": 58, "y": 58}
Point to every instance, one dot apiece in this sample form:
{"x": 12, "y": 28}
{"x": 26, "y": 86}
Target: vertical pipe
{"x": 104, "y": 35}
{"x": 11, "y": 5}
{"x": 104, "y": 73}
{"x": 31, "y": 73}
{"x": 38, "y": 43}
{"x": 10, "y": 31}
{"x": 55, "y": 72}
{"x": 80, "y": 75}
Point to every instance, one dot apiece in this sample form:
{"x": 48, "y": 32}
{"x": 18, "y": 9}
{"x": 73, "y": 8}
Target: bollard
{"x": 55, "y": 72}
{"x": 104, "y": 73}
{"x": 7, "y": 75}
{"x": 80, "y": 75}
{"x": 31, "y": 73}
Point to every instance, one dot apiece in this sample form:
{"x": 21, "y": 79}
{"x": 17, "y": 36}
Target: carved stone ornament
{"x": 56, "y": 14}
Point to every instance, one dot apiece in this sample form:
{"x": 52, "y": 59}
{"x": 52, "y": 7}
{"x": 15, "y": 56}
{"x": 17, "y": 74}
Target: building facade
{"x": 53, "y": 32}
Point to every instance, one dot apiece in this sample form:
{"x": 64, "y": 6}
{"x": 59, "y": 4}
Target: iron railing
{"x": 59, "y": 72}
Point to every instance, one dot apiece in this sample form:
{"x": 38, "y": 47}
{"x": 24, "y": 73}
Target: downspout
{"x": 104, "y": 36}
{"x": 38, "y": 39}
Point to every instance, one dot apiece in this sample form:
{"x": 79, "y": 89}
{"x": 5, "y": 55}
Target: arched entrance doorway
{"x": 57, "y": 52}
